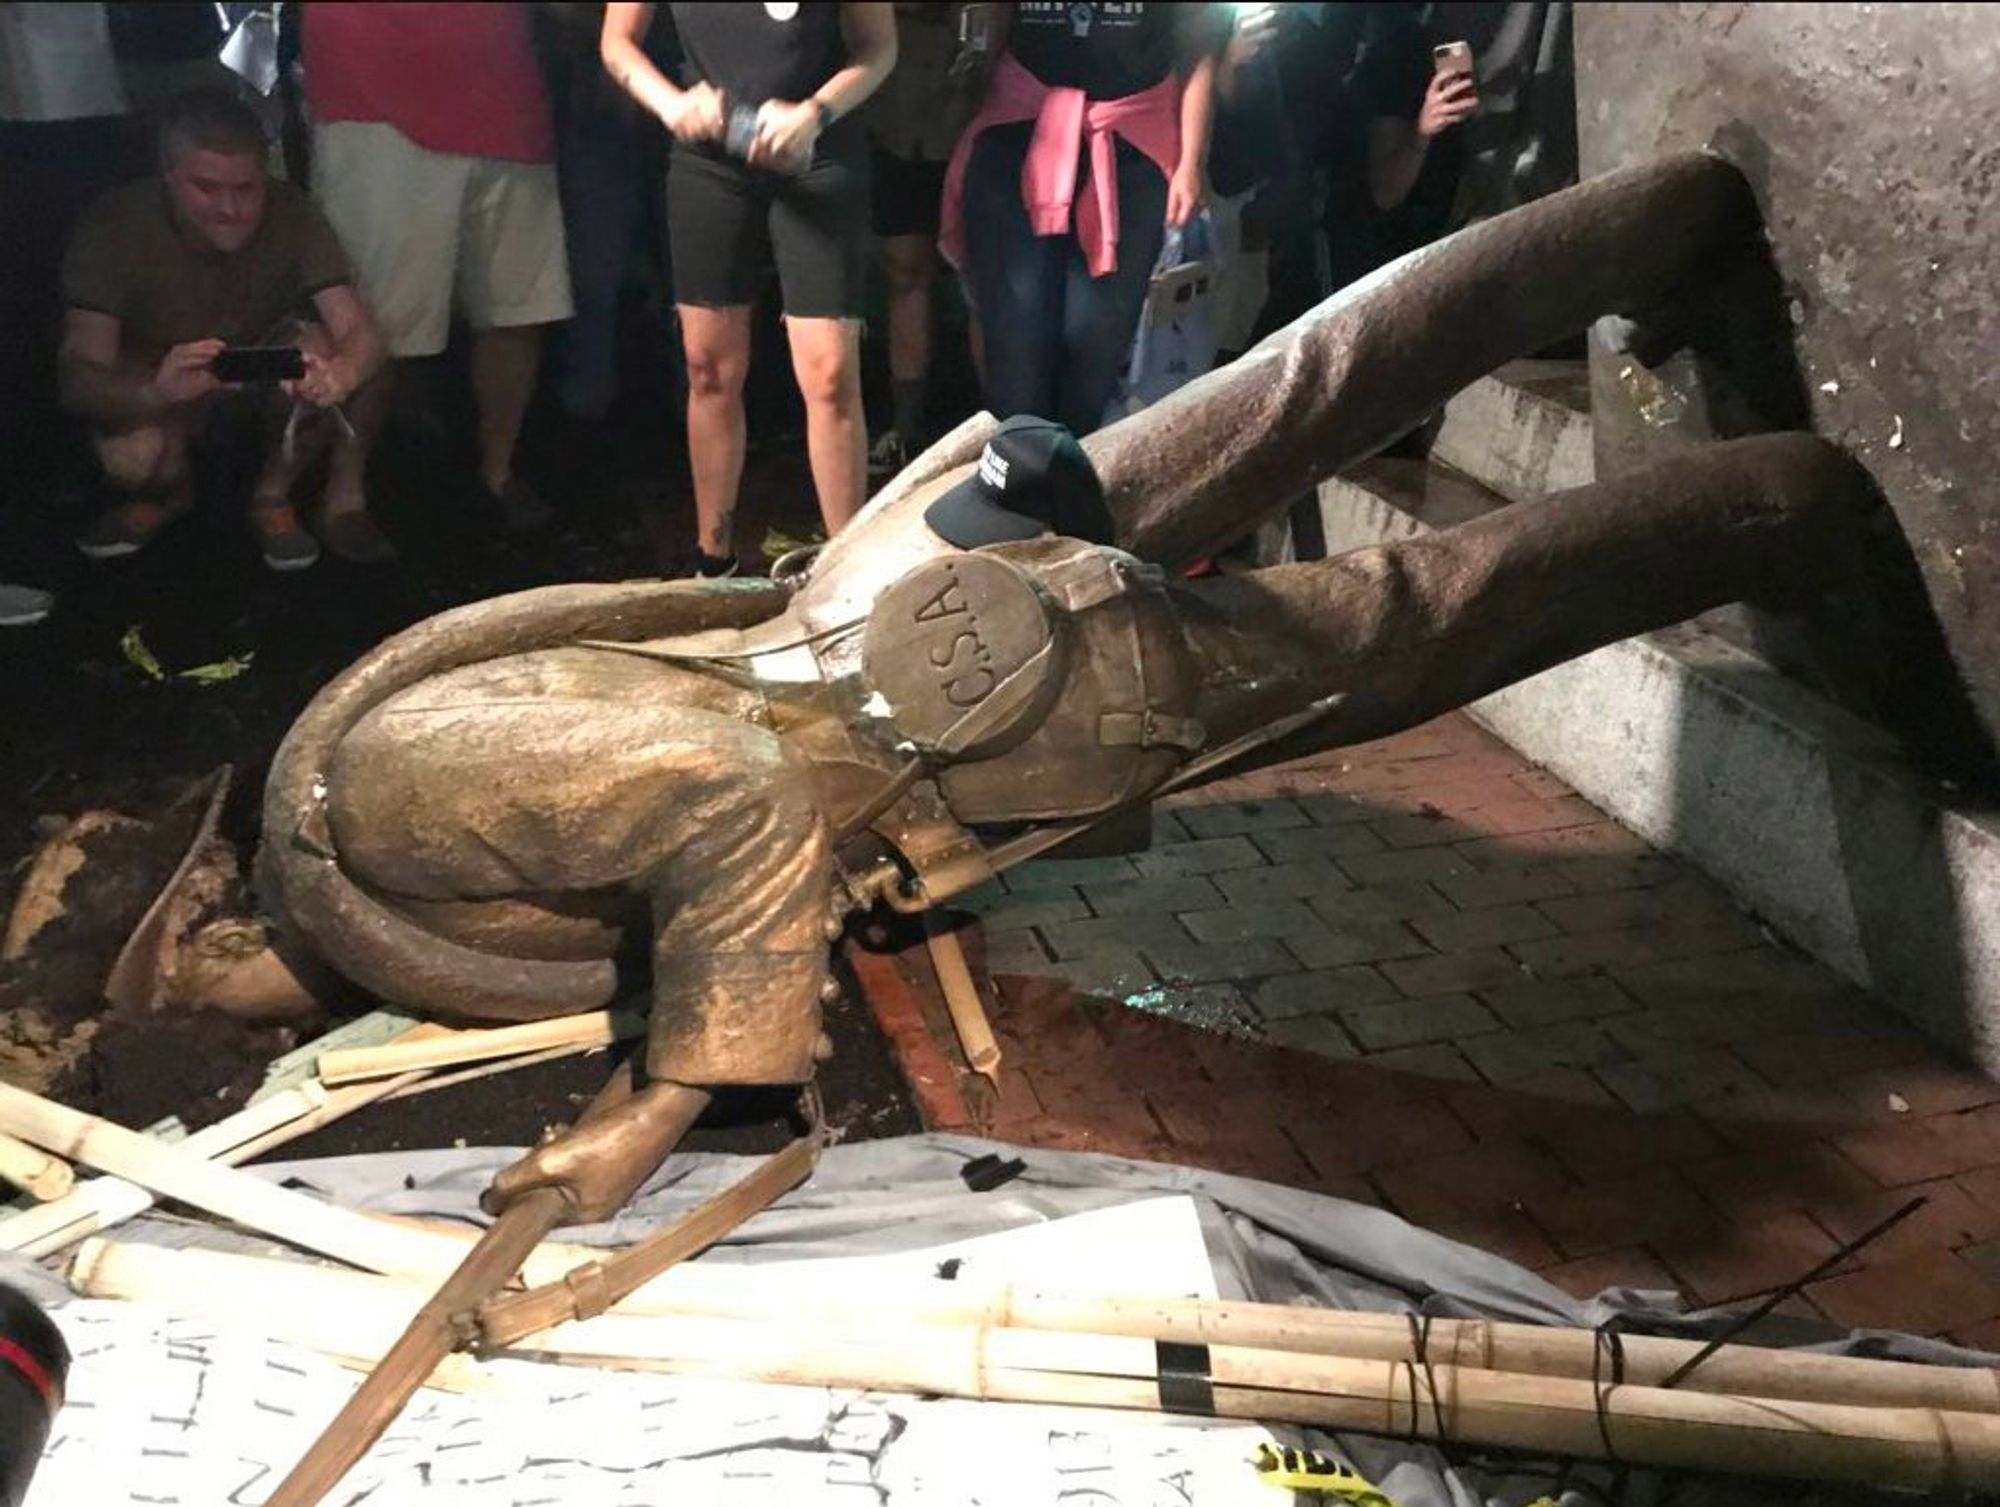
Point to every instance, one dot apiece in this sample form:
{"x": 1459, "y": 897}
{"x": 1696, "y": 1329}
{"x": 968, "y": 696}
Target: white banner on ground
{"x": 167, "y": 1408}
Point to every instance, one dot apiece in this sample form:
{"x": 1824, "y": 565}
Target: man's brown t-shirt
{"x": 129, "y": 259}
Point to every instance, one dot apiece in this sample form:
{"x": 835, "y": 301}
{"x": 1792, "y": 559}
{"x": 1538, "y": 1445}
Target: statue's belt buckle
{"x": 1150, "y": 729}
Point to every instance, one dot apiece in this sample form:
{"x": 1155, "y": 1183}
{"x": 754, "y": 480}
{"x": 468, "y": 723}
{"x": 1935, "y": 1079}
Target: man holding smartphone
{"x": 166, "y": 280}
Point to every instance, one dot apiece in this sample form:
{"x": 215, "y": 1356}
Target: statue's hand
{"x": 599, "y": 1164}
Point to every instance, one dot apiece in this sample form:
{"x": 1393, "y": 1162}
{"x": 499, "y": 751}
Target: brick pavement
{"x": 1424, "y": 974}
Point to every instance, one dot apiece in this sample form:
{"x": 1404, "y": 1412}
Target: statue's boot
{"x": 1410, "y": 630}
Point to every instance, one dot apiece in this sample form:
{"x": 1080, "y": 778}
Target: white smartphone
{"x": 1452, "y": 57}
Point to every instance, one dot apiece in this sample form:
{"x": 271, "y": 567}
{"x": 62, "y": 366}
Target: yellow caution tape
{"x": 133, "y": 647}
{"x": 219, "y": 669}
{"x": 1309, "y": 1471}
{"x": 141, "y": 658}
{"x": 778, "y": 543}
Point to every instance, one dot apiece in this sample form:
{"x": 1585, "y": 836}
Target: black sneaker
{"x": 521, "y": 509}
{"x": 888, "y": 455}
{"x": 709, "y": 567}
{"x": 351, "y": 534}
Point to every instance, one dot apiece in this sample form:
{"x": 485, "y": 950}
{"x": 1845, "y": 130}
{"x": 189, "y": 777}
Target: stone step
{"x": 1522, "y": 432}
{"x": 1806, "y": 813}
{"x": 1392, "y": 498}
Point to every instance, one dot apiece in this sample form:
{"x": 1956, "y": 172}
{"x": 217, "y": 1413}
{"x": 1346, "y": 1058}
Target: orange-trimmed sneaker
{"x": 127, "y": 527}
{"x": 286, "y": 544}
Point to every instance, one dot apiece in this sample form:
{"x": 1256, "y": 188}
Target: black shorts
{"x": 727, "y": 221}
{"x": 906, "y": 196}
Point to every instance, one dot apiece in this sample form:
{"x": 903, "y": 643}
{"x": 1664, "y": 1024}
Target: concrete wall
{"x": 1871, "y": 134}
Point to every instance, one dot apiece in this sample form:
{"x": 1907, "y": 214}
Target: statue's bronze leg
{"x": 1206, "y": 465}
{"x": 1411, "y": 630}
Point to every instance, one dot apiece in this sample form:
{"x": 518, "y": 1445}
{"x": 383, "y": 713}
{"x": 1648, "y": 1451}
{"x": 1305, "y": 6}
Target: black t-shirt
{"x": 1109, "y": 50}
{"x": 759, "y": 52}
{"x": 1390, "y": 79}
{"x": 1390, "y": 76}
{"x": 1290, "y": 113}
{"x": 164, "y": 31}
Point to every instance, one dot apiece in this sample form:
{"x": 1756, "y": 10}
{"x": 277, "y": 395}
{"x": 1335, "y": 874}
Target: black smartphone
{"x": 259, "y": 363}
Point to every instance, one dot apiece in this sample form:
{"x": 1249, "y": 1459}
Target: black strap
{"x": 1186, "y": 1385}
{"x": 1420, "y": 1348}
{"x": 1609, "y": 1340}
{"x": 1742, "y": 1322}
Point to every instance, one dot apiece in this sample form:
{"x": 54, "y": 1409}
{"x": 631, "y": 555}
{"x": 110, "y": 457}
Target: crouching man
{"x": 167, "y": 274}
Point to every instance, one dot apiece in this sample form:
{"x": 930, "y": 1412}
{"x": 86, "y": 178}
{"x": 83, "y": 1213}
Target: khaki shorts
{"x": 422, "y": 226}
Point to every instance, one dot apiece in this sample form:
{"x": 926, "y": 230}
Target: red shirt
{"x": 457, "y": 78}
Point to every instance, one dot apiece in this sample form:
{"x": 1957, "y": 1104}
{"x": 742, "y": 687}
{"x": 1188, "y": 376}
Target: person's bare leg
{"x": 717, "y": 343}
{"x": 345, "y": 524}
{"x": 148, "y": 461}
{"x": 283, "y": 462}
{"x": 826, "y": 358}
{"x": 347, "y": 480}
{"x": 912, "y": 266}
{"x": 504, "y": 363}
{"x": 147, "y": 468}
{"x": 975, "y": 345}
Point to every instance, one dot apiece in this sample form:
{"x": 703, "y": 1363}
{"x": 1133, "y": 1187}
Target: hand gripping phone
{"x": 259, "y": 363}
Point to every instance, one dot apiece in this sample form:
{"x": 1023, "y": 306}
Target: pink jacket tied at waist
{"x": 1150, "y": 120}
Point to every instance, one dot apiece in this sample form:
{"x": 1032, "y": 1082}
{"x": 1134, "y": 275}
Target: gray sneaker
{"x": 23, "y": 606}
{"x": 128, "y": 527}
{"x": 286, "y": 544}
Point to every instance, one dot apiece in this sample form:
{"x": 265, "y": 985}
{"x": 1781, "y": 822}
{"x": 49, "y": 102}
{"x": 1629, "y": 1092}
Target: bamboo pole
{"x": 961, "y": 997}
{"x": 1916, "y": 1448}
{"x": 411, "y": 1085}
{"x": 175, "y": 1172}
{"x": 34, "y": 1172}
{"x": 334, "y": 1105}
{"x": 1543, "y": 1350}
{"x": 597, "y": 1028}
{"x": 777, "y": 1296}
{"x": 105, "y": 1201}
{"x": 281, "y": 1115}
{"x": 1531, "y": 1349}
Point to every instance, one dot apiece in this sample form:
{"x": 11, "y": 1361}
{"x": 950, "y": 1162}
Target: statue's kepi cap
{"x": 1032, "y": 478}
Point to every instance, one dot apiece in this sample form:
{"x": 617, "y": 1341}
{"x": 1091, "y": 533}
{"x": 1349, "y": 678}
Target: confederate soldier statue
{"x": 481, "y": 815}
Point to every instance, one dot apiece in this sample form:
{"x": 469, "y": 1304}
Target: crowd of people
{"x": 333, "y": 190}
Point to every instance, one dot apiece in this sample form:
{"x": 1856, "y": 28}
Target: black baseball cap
{"x": 1032, "y": 478}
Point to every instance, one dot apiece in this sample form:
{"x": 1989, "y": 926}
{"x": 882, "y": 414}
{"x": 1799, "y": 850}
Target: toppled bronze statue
{"x": 476, "y": 817}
